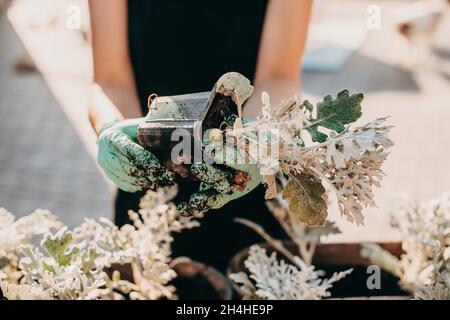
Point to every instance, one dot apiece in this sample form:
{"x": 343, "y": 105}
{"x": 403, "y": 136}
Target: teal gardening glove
{"x": 132, "y": 169}
{"x": 220, "y": 185}
{"x": 126, "y": 163}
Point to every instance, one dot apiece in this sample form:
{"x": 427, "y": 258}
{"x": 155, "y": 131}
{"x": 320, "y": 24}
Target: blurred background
{"x": 397, "y": 52}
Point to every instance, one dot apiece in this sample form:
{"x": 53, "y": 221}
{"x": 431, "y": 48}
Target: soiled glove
{"x": 221, "y": 185}
{"x": 126, "y": 163}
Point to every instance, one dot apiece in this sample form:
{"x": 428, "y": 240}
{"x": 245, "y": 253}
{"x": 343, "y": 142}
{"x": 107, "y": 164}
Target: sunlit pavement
{"x": 47, "y": 150}
{"x": 43, "y": 161}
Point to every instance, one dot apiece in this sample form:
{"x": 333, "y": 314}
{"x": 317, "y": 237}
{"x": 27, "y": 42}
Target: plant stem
{"x": 276, "y": 244}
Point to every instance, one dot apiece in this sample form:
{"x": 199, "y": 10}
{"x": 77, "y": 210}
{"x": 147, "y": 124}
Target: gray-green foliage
{"x": 57, "y": 246}
{"x": 305, "y": 193}
{"x": 318, "y": 145}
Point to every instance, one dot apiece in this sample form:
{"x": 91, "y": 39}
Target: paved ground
{"x": 43, "y": 163}
{"x": 46, "y": 148}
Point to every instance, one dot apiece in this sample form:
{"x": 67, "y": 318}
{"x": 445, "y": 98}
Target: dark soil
{"x": 355, "y": 284}
{"x": 196, "y": 287}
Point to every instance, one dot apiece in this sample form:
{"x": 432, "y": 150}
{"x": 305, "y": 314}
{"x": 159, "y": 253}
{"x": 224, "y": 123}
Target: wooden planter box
{"x": 339, "y": 257}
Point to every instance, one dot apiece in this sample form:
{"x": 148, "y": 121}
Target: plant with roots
{"x": 424, "y": 268}
{"x": 75, "y": 265}
{"x": 271, "y": 278}
{"x": 313, "y": 147}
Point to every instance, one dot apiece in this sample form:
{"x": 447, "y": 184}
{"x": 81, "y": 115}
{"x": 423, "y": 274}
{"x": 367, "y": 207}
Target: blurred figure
{"x": 417, "y": 24}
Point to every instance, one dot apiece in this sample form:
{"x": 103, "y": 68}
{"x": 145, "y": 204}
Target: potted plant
{"x": 423, "y": 268}
{"x": 333, "y": 270}
{"x": 98, "y": 260}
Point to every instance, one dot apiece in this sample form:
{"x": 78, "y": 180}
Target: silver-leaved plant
{"x": 272, "y": 278}
{"x": 85, "y": 264}
{"x": 16, "y": 233}
{"x": 424, "y": 268}
{"x": 315, "y": 146}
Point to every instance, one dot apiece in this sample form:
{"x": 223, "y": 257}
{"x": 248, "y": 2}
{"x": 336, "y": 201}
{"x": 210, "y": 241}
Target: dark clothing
{"x": 182, "y": 47}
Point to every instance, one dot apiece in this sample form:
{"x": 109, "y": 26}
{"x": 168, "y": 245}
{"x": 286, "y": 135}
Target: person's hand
{"x": 126, "y": 163}
{"x": 220, "y": 185}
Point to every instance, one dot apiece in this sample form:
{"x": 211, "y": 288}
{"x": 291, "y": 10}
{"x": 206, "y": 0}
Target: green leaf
{"x": 57, "y": 246}
{"x": 307, "y": 199}
{"x": 3, "y": 262}
{"x": 334, "y": 114}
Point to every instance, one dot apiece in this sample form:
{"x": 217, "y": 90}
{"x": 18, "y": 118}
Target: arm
{"x": 113, "y": 90}
{"x": 114, "y": 98}
{"x": 280, "y": 53}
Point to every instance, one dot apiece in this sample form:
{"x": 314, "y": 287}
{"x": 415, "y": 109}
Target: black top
{"x": 184, "y": 46}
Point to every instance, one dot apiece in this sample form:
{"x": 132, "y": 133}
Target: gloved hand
{"x": 221, "y": 185}
{"x": 126, "y": 163}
